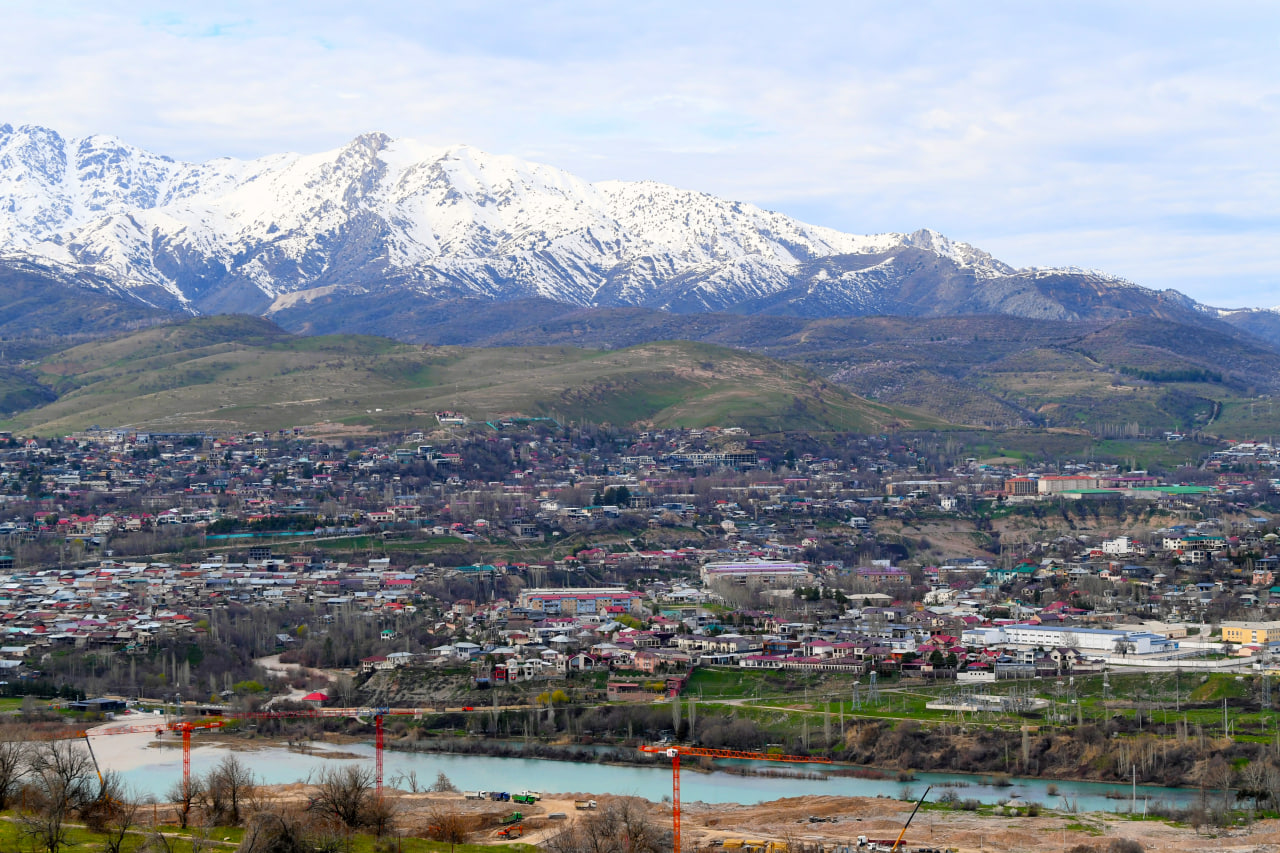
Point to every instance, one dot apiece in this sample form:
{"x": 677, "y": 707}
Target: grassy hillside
{"x": 245, "y": 373}
{"x": 1002, "y": 372}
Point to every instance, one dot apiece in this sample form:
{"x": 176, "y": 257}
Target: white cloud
{"x": 1125, "y": 133}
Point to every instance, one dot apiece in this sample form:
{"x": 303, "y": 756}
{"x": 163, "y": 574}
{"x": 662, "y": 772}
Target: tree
{"x": 447, "y": 826}
{"x": 58, "y": 784}
{"x": 345, "y": 794}
{"x": 185, "y": 795}
{"x": 620, "y": 825}
{"x": 617, "y": 496}
{"x": 103, "y": 812}
{"x": 121, "y": 810}
{"x": 1253, "y": 783}
{"x": 13, "y": 766}
{"x": 1220, "y": 775}
{"x": 228, "y": 789}
{"x": 443, "y": 784}
{"x": 279, "y": 831}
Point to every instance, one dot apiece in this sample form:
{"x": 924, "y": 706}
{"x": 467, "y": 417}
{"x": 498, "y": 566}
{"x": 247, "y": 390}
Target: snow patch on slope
{"x": 450, "y": 220}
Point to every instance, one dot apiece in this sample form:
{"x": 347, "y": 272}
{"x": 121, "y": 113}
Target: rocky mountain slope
{"x": 385, "y": 227}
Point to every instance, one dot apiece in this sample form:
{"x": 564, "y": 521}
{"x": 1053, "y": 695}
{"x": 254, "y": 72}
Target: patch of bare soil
{"x": 968, "y": 832}
{"x": 841, "y": 821}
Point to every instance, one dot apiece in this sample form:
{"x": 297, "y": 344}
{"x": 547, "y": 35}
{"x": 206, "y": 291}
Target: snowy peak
{"x": 961, "y": 253}
{"x": 397, "y": 216}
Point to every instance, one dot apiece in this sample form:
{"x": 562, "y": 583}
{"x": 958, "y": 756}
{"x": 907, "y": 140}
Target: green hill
{"x": 1107, "y": 377}
{"x": 245, "y": 373}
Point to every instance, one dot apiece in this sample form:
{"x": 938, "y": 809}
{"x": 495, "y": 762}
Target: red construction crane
{"x": 674, "y": 753}
{"x": 357, "y": 713}
{"x": 186, "y": 728}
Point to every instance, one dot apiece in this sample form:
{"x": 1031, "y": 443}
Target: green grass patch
{"x": 12, "y": 840}
{"x": 251, "y": 374}
{"x": 349, "y": 543}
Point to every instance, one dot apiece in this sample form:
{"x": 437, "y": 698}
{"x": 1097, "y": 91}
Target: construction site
{"x": 931, "y": 820}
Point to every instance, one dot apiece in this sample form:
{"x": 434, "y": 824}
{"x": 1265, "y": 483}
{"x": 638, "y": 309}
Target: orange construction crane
{"x": 360, "y": 714}
{"x": 366, "y": 715}
{"x": 186, "y": 728}
{"x": 674, "y": 753}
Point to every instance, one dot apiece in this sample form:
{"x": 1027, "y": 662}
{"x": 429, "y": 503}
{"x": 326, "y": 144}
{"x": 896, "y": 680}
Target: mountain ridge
{"x": 381, "y": 224}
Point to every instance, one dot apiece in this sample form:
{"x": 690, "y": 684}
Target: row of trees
{"x": 50, "y": 784}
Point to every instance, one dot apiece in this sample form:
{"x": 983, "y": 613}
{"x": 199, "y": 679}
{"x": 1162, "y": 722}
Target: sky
{"x": 1137, "y": 138}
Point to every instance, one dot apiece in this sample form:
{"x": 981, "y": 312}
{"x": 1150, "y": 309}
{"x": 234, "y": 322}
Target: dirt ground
{"x": 788, "y": 820}
{"x": 416, "y": 812}
{"x": 965, "y": 831}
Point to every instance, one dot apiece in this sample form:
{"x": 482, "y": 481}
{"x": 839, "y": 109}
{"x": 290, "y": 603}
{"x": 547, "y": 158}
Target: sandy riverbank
{"x": 780, "y": 819}
{"x": 129, "y": 751}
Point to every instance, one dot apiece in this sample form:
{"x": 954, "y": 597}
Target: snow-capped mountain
{"x": 385, "y": 219}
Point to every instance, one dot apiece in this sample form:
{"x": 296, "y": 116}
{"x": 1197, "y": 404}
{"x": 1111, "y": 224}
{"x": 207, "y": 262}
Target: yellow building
{"x": 1250, "y": 633}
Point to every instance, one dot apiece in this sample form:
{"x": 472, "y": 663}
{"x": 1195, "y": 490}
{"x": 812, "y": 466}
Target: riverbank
{"x": 717, "y": 805}
{"x": 156, "y": 771}
{"x": 630, "y": 756}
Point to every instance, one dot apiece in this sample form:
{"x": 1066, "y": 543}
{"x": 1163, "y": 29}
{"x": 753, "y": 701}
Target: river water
{"x": 157, "y": 771}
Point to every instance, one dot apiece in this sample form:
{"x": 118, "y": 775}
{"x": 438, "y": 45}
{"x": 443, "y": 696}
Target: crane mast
{"x": 674, "y": 753}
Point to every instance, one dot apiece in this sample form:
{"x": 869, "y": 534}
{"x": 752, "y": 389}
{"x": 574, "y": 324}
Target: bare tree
{"x": 58, "y": 784}
{"x": 13, "y": 766}
{"x": 121, "y": 812}
{"x": 1219, "y": 774}
{"x": 345, "y": 794}
{"x": 1272, "y": 782}
{"x": 66, "y": 767}
{"x": 101, "y": 811}
{"x": 447, "y": 826}
{"x": 43, "y": 824}
{"x": 620, "y": 825}
{"x": 185, "y": 795}
{"x": 380, "y": 815}
{"x": 159, "y": 842}
{"x": 443, "y": 784}
{"x": 1253, "y": 783}
{"x": 409, "y": 782}
{"x": 283, "y": 831}
{"x": 229, "y": 788}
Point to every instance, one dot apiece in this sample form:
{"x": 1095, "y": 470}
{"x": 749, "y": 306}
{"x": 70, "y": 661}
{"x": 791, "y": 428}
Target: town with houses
{"x": 527, "y": 551}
